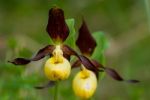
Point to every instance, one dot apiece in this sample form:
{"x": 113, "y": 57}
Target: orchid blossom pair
{"x": 58, "y": 66}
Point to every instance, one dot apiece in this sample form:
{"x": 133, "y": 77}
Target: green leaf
{"x": 71, "y": 38}
{"x": 102, "y": 44}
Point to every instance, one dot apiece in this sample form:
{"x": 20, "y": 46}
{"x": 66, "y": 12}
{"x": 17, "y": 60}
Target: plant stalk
{"x": 56, "y": 91}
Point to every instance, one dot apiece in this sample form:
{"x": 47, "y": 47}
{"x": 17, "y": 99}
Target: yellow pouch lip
{"x": 85, "y": 84}
{"x": 57, "y": 71}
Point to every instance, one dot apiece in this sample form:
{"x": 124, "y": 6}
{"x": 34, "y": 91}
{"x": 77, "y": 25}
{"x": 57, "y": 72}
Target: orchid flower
{"x": 57, "y": 67}
{"x": 85, "y": 82}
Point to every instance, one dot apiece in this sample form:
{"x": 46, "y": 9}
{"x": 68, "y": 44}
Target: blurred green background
{"x": 124, "y": 22}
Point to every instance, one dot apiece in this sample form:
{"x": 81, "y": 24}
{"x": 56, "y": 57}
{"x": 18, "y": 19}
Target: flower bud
{"x": 84, "y": 84}
{"x": 57, "y": 69}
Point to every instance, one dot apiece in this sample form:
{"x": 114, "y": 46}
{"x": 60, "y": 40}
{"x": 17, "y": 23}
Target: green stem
{"x": 56, "y": 91}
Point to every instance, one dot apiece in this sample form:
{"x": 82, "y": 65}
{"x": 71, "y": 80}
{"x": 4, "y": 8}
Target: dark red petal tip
{"x": 40, "y": 54}
{"x": 20, "y": 61}
{"x": 111, "y": 72}
{"x": 49, "y": 84}
{"x": 85, "y": 41}
{"x": 57, "y": 27}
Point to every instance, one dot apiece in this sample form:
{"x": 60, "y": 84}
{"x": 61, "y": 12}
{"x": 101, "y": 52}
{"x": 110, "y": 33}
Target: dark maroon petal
{"x": 49, "y": 84}
{"x": 84, "y": 61}
{"x": 41, "y": 53}
{"x": 85, "y": 41}
{"x": 98, "y": 65}
{"x": 57, "y": 27}
{"x": 67, "y": 51}
{"x": 20, "y": 61}
{"x": 111, "y": 72}
{"x": 87, "y": 63}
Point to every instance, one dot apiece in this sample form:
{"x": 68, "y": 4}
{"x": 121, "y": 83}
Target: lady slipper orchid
{"x": 57, "y": 67}
{"x": 85, "y": 82}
